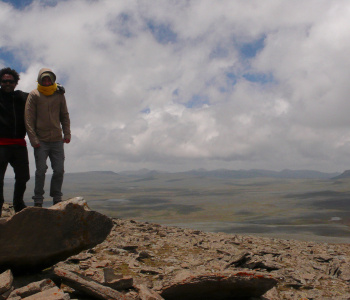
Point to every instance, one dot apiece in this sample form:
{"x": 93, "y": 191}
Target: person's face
{"x": 8, "y": 83}
{"x": 46, "y": 81}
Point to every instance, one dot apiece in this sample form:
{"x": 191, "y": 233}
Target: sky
{"x": 174, "y": 85}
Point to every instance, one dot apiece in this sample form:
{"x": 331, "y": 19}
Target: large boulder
{"x": 37, "y": 238}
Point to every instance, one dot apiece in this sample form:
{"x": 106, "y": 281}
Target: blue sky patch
{"x": 10, "y": 61}
{"x": 259, "y": 77}
{"x": 231, "y": 78}
{"x": 146, "y": 111}
{"x": 121, "y": 24}
{"x": 18, "y": 3}
{"x": 249, "y": 50}
{"x": 219, "y": 52}
{"x": 197, "y": 101}
{"x": 162, "y": 32}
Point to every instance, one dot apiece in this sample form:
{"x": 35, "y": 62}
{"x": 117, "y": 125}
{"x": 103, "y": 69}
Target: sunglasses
{"x": 8, "y": 81}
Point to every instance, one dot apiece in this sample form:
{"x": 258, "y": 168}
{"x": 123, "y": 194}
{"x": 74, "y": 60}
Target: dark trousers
{"x": 17, "y": 157}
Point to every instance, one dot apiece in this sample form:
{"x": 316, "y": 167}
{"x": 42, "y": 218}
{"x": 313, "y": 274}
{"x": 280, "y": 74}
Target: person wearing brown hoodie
{"x": 46, "y": 118}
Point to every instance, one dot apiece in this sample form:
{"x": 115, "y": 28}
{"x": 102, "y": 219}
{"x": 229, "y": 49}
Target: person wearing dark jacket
{"x": 13, "y": 148}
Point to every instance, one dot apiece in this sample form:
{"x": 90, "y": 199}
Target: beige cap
{"x": 49, "y": 74}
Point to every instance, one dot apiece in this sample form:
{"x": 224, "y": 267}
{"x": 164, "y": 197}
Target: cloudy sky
{"x": 182, "y": 84}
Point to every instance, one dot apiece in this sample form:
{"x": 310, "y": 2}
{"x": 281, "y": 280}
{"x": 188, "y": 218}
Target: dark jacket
{"x": 12, "y": 114}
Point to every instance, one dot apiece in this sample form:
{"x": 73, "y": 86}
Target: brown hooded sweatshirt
{"x": 46, "y": 116}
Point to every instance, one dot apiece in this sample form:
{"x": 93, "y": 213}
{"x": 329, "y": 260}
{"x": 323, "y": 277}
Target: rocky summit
{"x": 140, "y": 260}
{"x": 36, "y": 238}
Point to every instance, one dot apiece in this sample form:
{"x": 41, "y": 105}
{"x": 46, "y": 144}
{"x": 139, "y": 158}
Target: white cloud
{"x": 186, "y": 84}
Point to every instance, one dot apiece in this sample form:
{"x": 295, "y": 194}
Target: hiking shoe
{"x": 56, "y": 201}
{"x": 19, "y": 206}
{"x": 38, "y": 205}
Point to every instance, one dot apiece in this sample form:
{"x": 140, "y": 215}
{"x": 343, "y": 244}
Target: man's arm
{"x": 65, "y": 121}
{"x": 30, "y": 119}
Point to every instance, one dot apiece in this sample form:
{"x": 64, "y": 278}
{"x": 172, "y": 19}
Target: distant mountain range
{"x": 225, "y": 173}
{"x": 345, "y": 174}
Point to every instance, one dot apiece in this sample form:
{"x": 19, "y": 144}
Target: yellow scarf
{"x": 47, "y": 90}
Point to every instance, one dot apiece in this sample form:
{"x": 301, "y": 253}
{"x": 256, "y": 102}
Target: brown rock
{"x": 51, "y": 294}
{"x": 6, "y": 280}
{"x": 5, "y": 295}
{"x": 130, "y": 248}
{"x": 146, "y": 294}
{"x": 239, "y": 260}
{"x": 121, "y": 284}
{"x": 80, "y": 257}
{"x": 109, "y": 275}
{"x": 88, "y": 286}
{"x": 32, "y": 288}
{"x": 7, "y": 211}
{"x": 305, "y": 270}
{"x": 216, "y": 286}
{"x": 100, "y": 264}
{"x": 142, "y": 255}
{"x": 54, "y": 234}
{"x": 116, "y": 281}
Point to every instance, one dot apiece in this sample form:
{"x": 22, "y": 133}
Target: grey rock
{"x": 36, "y": 238}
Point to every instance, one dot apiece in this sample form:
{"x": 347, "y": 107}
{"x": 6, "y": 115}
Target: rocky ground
{"x": 154, "y": 254}
{"x": 144, "y": 259}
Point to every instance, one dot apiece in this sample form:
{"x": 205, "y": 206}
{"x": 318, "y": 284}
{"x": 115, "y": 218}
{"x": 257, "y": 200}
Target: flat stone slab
{"x": 88, "y": 286}
{"x": 37, "y": 238}
{"x": 237, "y": 285}
{"x": 51, "y": 294}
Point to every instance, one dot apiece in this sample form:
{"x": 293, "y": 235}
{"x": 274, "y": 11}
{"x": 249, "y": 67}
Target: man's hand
{"x": 67, "y": 141}
{"x": 60, "y": 89}
{"x": 36, "y": 146}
